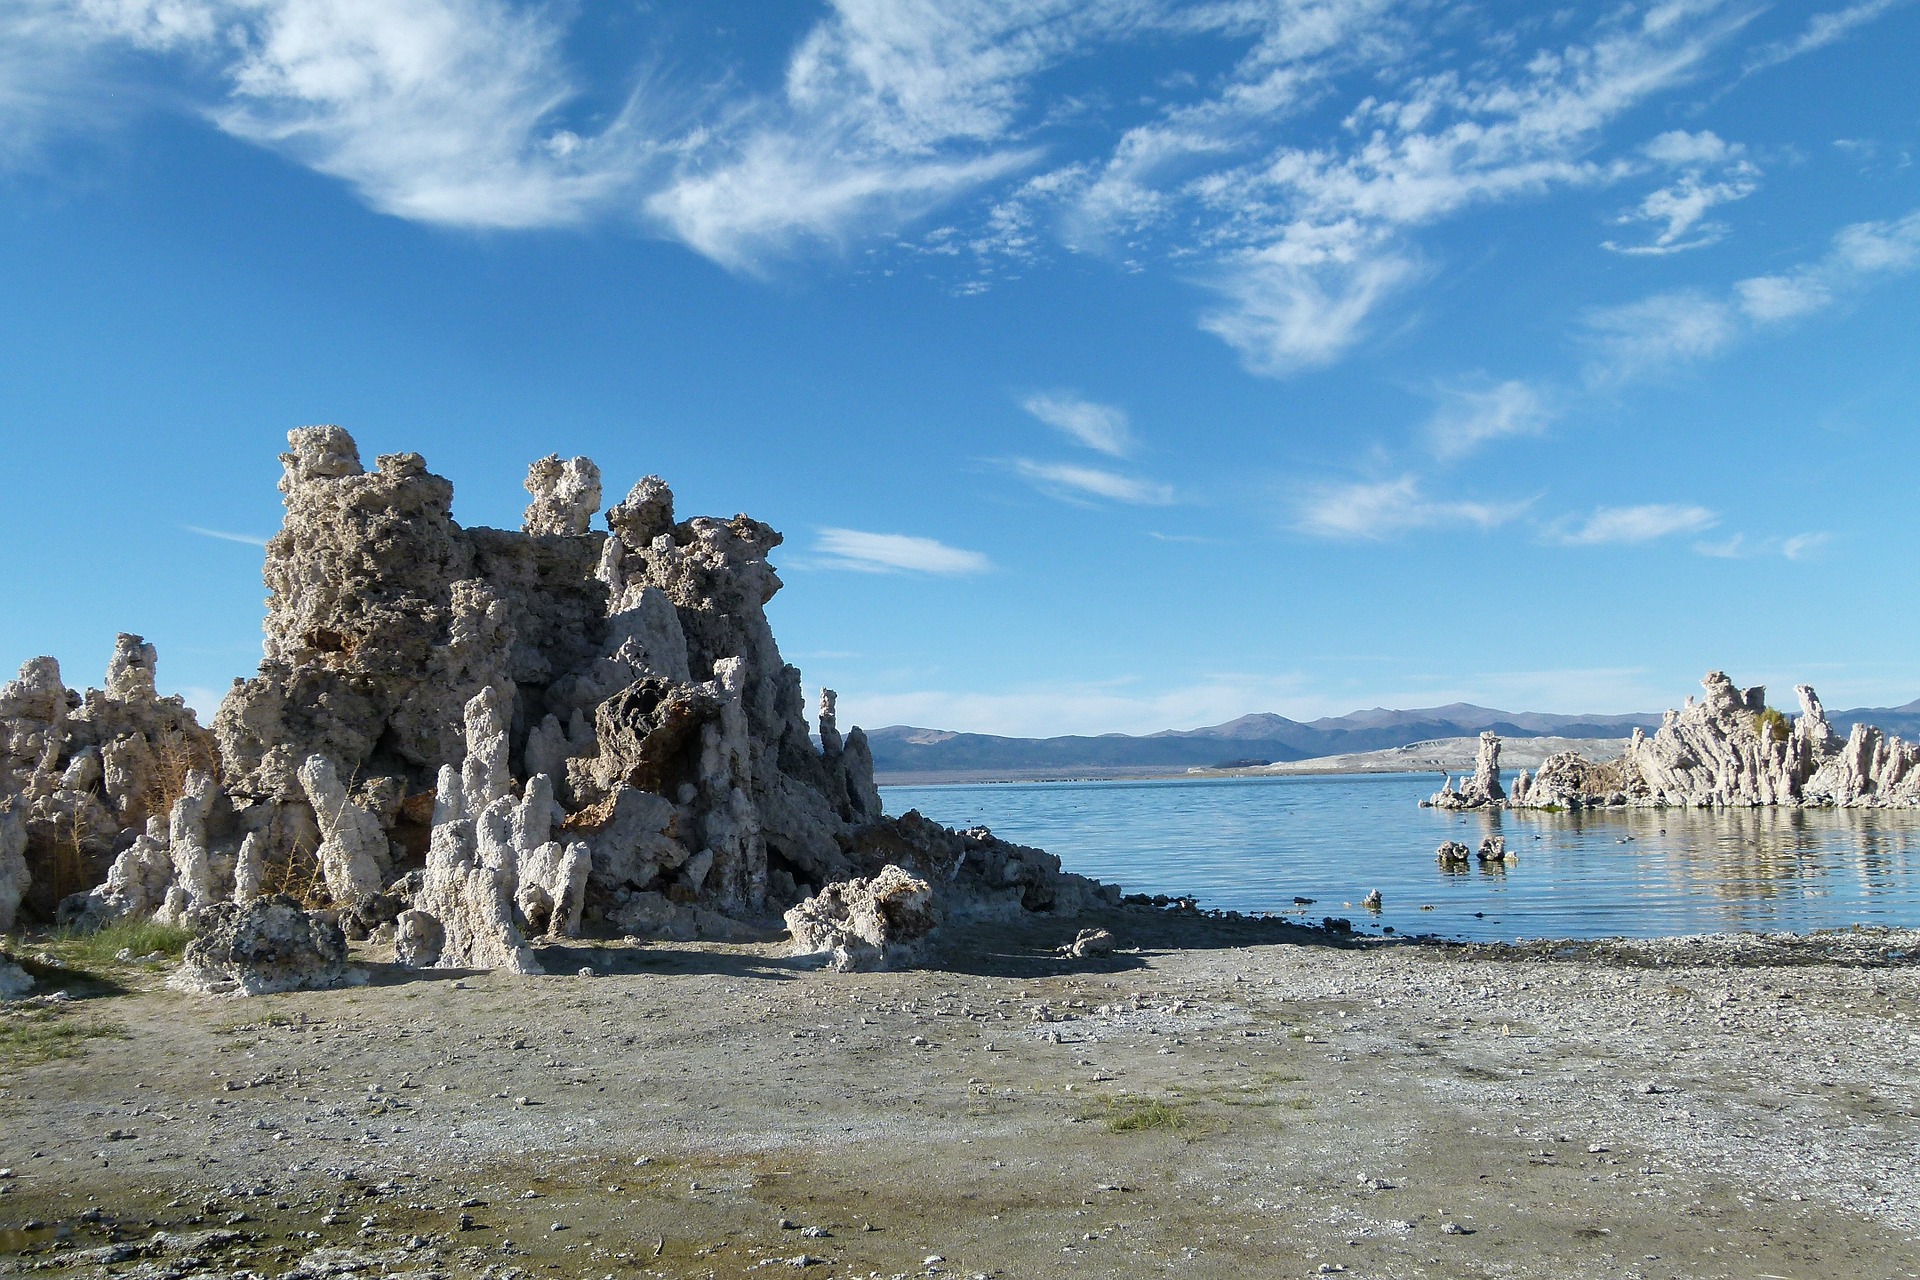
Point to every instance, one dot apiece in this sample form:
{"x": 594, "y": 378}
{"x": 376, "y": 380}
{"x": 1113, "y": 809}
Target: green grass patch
{"x": 1135, "y": 1115}
{"x": 40, "y": 1035}
{"x": 100, "y": 948}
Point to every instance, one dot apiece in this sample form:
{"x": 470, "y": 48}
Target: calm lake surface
{"x": 1254, "y": 844}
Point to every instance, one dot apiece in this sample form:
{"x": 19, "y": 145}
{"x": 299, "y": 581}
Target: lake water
{"x": 1255, "y": 844}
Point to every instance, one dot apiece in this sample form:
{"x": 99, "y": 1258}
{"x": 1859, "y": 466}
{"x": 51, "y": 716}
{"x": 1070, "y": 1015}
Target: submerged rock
{"x": 267, "y": 946}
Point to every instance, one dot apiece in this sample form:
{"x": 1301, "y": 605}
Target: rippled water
{"x": 1255, "y": 844}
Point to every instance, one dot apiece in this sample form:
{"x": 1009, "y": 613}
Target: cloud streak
{"x": 896, "y": 553}
{"x": 1289, "y": 194}
{"x": 1639, "y": 338}
{"x": 1379, "y": 510}
{"x": 1470, "y": 417}
{"x": 1101, "y": 427}
{"x": 249, "y": 539}
{"x": 1650, "y": 522}
{"x": 1078, "y": 484}
{"x": 1821, "y": 30}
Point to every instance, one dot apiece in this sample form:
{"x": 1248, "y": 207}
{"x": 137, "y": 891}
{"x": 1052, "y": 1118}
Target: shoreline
{"x": 1220, "y": 1097}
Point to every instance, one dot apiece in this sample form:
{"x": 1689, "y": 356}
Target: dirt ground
{"x": 1224, "y": 1098}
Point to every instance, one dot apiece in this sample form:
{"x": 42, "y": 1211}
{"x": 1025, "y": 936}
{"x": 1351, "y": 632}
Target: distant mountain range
{"x": 903, "y": 753}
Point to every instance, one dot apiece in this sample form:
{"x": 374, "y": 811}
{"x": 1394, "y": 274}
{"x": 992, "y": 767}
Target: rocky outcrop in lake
{"x": 1482, "y": 790}
{"x": 1729, "y": 748}
{"x": 467, "y": 738}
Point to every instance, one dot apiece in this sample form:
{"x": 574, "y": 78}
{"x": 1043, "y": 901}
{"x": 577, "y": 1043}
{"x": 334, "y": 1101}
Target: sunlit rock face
{"x": 1482, "y": 790}
{"x": 467, "y": 739}
{"x": 1730, "y": 749}
{"x": 81, "y": 774}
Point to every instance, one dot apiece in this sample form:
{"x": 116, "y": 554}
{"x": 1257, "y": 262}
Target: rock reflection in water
{"x": 1256, "y": 844}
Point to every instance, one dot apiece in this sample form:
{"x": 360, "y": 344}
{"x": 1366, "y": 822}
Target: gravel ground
{"x": 1223, "y": 1098}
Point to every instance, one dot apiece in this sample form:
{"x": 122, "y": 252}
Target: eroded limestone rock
{"x": 14, "y": 876}
{"x": 269, "y": 945}
{"x": 136, "y": 883}
{"x": 85, "y": 771}
{"x": 566, "y": 495}
{"x": 865, "y": 924}
{"x": 549, "y": 727}
{"x": 1483, "y": 789}
{"x": 472, "y": 867}
{"x": 1730, "y": 749}
{"x": 1090, "y": 944}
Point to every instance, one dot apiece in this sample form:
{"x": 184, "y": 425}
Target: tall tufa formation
{"x": 1482, "y": 790}
{"x": 475, "y": 737}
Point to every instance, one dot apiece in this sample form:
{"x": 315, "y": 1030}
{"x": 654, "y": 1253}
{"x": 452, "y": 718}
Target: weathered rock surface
{"x": 267, "y": 946}
{"x": 1453, "y": 853}
{"x": 1730, "y": 748}
{"x": 472, "y": 872}
{"x": 84, "y": 772}
{"x": 15, "y": 879}
{"x": 1090, "y": 944}
{"x": 15, "y": 982}
{"x": 865, "y": 924}
{"x": 480, "y": 736}
{"x": 1483, "y": 789}
{"x": 353, "y": 850}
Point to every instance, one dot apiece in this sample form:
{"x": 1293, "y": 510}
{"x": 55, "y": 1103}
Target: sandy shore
{"x": 1229, "y": 1098}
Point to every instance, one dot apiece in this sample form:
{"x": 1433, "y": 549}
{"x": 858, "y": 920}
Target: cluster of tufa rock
{"x": 462, "y": 738}
{"x": 1482, "y": 790}
{"x": 1726, "y": 749}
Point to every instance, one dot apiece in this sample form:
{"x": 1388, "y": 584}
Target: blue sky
{"x": 1109, "y": 366}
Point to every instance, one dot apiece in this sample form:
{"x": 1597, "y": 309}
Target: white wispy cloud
{"x": 896, "y": 553}
{"x": 1324, "y": 228}
{"x": 1289, "y": 181}
{"x": 1646, "y": 523}
{"x": 1469, "y": 417}
{"x": 1639, "y": 337}
{"x": 1077, "y": 483}
{"x": 779, "y": 191}
{"x": 889, "y": 108}
{"x": 1378, "y": 510}
{"x": 1712, "y": 172}
{"x": 1821, "y": 30}
{"x": 1801, "y": 546}
{"x": 443, "y": 111}
{"x": 451, "y": 112}
{"x": 1303, "y": 301}
{"x": 1102, "y": 427}
{"x": 1670, "y": 328}
{"x": 252, "y": 540}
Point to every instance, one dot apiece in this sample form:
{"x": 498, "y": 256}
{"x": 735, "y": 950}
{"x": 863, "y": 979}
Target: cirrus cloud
{"x": 866, "y": 552}
{"x": 1646, "y": 523}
